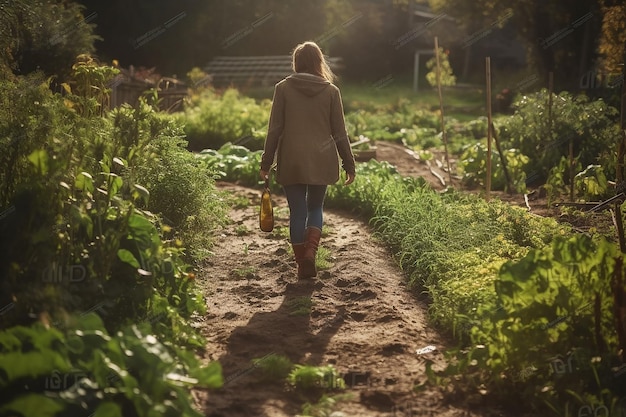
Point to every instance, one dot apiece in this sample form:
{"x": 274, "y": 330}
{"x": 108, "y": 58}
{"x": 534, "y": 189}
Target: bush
{"x": 211, "y": 120}
{"x": 473, "y": 165}
{"x": 44, "y": 35}
{"x": 86, "y": 370}
{"x": 548, "y": 338}
{"x": 182, "y": 191}
{"x": 590, "y": 125}
{"x": 76, "y": 237}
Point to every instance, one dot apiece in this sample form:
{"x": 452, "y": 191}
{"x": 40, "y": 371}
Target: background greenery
{"x": 97, "y": 287}
{"x": 106, "y": 213}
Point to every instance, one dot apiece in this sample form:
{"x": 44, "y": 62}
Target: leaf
{"x": 142, "y": 231}
{"x": 33, "y": 405}
{"x": 115, "y": 183}
{"x": 67, "y": 88}
{"x": 18, "y": 365}
{"x": 127, "y": 256}
{"x": 84, "y": 182}
{"x": 108, "y": 409}
{"x": 119, "y": 161}
{"x": 140, "y": 191}
{"x": 39, "y": 159}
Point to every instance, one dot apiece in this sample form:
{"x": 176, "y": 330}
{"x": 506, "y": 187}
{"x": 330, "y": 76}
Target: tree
{"x": 613, "y": 36}
{"x": 44, "y": 35}
{"x": 557, "y": 35}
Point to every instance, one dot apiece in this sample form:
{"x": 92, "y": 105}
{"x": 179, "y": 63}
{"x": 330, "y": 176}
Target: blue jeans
{"x": 306, "y": 203}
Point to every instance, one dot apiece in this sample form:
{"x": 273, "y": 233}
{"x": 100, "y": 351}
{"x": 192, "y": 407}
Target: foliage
{"x": 591, "y": 183}
{"x": 233, "y": 162}
{"x": 473, "y": 164}
{"x": 90, "y": 81}
{"x": 44, "y": 35}
{"x": 300, "y": 306}
{"x": 182, "y": 189}
{"x": 612, "y": 37}
{"x": 323, "y": 258}
{"x": 76, "y": 237}
{"x": 553, "y": 34}
{"x": 558, "y": 181}
{"x": 211, "y": 120}
{"x": 446, "y": 76}
{"x": 306, "y": 377}
{"x": 399, "y": 122}
{"x": 589, "y": 125}
{"x": 273, "y": 367}
{"x": 84, "y": 369}
{"x": 548, "y": 336}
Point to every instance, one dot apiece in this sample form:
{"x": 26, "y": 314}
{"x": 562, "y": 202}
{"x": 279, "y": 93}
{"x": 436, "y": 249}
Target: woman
{"x": 307, "y": 133}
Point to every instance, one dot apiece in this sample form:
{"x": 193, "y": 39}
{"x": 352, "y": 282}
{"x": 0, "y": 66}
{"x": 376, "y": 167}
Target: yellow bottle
{"x": 266, "y": 217}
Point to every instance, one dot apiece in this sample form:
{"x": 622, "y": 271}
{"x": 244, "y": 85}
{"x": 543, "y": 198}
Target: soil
{"x": 363, "y": 319}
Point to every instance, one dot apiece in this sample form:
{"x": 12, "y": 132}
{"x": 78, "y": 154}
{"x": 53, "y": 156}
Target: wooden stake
{"x": 443, "y": 127}
{"x": 621, "y": 149}
{"x": 489, "y": 124}
{"x": 550, "y": 90}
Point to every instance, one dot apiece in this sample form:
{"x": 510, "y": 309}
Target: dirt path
{"x": 363, "y": 320}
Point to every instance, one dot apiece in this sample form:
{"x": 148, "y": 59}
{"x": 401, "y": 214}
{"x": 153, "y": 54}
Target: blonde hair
{"x": 307, "y": 57}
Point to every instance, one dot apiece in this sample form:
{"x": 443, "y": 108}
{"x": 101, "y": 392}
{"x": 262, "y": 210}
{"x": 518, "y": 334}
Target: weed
{"x": 247, "y": 272}
{"x": 239, "y": 202}
{"x": 300, "y": 306}
{"x": 280, "y": 232}
{"x": 273, "y": 367}
{"x": 322, "y": 258}
{"x": 305, "y": 377}
{"x": 242, "y": 230}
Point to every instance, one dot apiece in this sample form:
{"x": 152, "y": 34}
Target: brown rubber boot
{"x": 298, "y": 252}
{"x": 311, "y": 243}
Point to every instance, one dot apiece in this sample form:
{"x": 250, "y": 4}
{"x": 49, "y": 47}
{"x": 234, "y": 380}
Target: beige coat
{"x": 307, "y": 132}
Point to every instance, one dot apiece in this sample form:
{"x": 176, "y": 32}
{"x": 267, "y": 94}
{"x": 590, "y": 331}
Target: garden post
{"x": 443, "y": 128}
{"x": 489, "y": 126}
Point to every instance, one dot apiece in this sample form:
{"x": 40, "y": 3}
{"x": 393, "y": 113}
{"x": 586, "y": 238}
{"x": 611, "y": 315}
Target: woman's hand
{"x": 349, "y": 180}
{"x": 264, "y": 175}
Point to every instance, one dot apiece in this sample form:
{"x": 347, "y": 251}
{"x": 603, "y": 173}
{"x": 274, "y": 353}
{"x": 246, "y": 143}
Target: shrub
{"x": 75, "y": 237}
{"x": 473, "y": 165}
{"x": 590, "y": 125}
{"x": 548, "y": 338}
{"x": 182, "y": 190}
{"x": 44, "y": 35}
{"x": 213, "y": 119}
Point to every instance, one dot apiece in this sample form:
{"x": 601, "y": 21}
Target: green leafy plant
{"x": 323, "y": 258}
{"x": 590, "y": 126}
{"x": 84, "y": 369}
{"x": 80, "y": 239}
{"x": 591, "y": 183}
{"x": 446, "y": 76}
{"x": 212, "y": 120}
{"x": 45, "y": 35}
{"x": 300, "y": 306}
{"x": 306, "y": 377}
{"x": 552, "y": 340}
{"x": 558, "y": 181}
{"x": 473, "y": 163}
{"x": 273, "y": 367}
